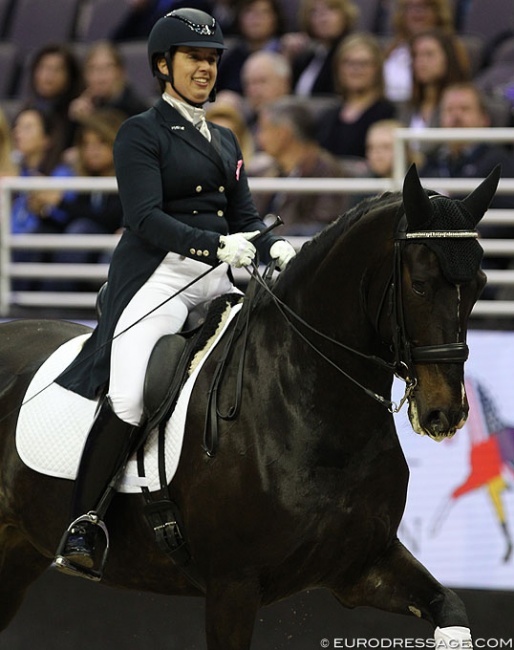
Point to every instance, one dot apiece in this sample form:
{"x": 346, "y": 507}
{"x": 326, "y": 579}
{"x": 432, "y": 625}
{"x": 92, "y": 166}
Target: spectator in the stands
{"x": 260, "y": 25}
{"x": 225, "y": 114}
{"x": 55, "y": 80}
{"x": 464, "y": 106}
{"x": 360, "y": 84}
{"x": 34, "y": 211}
{"x": 410, "y": 17}
{"x": 92, "y": 212}
{"x": 323, "y": 24}
{"x": 106, "y": 84}
{"x": 435, "y": 65}
{"x": 8, "y": 166}
{"x": 380, "y": 152}
{"x": 266, "y": 76}
{"x": 287, "y": 134}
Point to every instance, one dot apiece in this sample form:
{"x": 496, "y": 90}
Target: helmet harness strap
{"x": 169, "y": 77}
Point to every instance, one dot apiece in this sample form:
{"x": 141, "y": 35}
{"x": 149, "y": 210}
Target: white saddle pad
{"x": 54, "y": 422}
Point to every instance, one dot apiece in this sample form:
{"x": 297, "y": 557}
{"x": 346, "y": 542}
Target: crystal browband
{"x": 442, "y": 234}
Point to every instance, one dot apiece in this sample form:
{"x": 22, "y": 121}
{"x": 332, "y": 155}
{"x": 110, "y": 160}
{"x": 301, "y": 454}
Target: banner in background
{"x": 459, "y": 519}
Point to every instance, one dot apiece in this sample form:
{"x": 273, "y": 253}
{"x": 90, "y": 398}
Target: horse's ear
{"x": 416, "y": 203}
{"x": 480, "y": 199}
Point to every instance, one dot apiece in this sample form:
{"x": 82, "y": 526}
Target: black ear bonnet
{"x": 425, "y": 212}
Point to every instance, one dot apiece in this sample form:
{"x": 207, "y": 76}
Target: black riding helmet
{"x": 190, "y": 27}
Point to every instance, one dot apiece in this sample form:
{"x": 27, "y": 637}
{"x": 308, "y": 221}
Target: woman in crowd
{"x": 35, "y": 211}
{"x": 260, "y": 25}
{"x": 55, "y": 80}
{"x": 359, "y": 82}
{"x": 435, "y": 65}
{"x": 106, "y": 84}
{"x": 410, "y": 17}
{"x": 92, "y": 212}
{"x": 324, "y": 24}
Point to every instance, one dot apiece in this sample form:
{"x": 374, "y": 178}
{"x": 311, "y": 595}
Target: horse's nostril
{"x": 438, "y": 421}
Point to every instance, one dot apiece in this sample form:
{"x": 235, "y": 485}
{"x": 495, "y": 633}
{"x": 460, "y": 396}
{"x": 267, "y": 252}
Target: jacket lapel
{"x": 182, "y": 128}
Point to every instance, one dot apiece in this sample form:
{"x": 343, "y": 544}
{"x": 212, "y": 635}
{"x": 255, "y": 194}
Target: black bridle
{"x": 405, "y": 354}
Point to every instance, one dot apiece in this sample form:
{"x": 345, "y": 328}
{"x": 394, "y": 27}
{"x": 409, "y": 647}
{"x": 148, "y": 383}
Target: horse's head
{"x": 438, "y": 258}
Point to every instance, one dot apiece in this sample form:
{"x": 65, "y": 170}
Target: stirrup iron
{"x": 67, "y": 566}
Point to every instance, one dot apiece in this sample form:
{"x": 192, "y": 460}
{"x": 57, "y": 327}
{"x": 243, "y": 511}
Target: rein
{"x": 405, "y": 354}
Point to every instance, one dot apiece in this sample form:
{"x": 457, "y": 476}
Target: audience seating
{"x": 99, "y": 18}
{"x": 35, "y": 23}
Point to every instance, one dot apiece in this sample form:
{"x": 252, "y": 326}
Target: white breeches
{"x": 131, "y": 350}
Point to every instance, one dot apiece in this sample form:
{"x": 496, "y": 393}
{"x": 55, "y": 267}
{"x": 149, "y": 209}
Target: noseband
{"x": 407, "y": 355}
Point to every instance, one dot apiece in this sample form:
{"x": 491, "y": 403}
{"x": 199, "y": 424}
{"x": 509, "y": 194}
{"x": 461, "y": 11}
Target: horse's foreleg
{"x": 231, "y": 608}
{"x": 398, "y": 583}
{"x": 20, "y": 565}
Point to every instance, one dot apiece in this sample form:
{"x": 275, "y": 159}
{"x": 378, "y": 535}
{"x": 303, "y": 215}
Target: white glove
{"x": 283, "y": 252}
{"x": 236, "y": 250}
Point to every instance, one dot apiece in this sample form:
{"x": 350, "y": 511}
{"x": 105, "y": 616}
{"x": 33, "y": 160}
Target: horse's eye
{"x": 418, "y": 287}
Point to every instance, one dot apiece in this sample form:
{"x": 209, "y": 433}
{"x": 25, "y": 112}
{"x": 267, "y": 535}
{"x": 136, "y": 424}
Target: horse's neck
{"x": 333, "y": 295}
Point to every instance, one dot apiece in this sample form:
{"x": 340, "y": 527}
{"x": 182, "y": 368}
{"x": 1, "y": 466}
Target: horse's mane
{"x": 317, "y": 247}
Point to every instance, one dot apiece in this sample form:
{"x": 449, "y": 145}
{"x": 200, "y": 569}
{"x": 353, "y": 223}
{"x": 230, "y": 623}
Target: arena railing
{"x": 11, "y": 270}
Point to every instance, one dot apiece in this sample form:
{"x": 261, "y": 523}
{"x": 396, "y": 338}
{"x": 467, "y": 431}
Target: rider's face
{"x": 194, "y": 73}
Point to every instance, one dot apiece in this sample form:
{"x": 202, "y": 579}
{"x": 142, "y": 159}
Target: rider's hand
{"x": 236, "y": 250}
{"x": 283, "y": 252}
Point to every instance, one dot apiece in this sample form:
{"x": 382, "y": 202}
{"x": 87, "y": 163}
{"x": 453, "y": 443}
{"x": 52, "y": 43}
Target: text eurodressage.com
{"x": 415, "y": 643}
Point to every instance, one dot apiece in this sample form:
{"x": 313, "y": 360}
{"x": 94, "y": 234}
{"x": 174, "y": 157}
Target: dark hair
{"x": 73, "y": 72}
{"x": 243, "y": 5}
{"x": 348, "y": 9}
{"x": 455, "y": 69}
{"x": 52, "y": 156}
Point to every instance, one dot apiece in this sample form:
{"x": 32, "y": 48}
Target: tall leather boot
{"x": 109, "y": 445}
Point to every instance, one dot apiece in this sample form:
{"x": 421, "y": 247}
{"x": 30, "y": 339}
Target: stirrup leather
{"x": 65, "y": 565}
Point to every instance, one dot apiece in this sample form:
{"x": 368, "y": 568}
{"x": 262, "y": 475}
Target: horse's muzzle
{"x": 438, "y": 424}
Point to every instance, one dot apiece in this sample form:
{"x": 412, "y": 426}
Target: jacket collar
{"x": 185, "y": 130}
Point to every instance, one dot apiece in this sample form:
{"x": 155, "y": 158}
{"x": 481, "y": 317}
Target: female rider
{"x": 187, "y": 207}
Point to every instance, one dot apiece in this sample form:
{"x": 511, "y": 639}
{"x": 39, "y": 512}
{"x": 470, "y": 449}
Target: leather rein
{"x": 405, "y": 354}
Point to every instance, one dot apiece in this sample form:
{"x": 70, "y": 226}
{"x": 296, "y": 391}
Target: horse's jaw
{"x": 438, "y": 432}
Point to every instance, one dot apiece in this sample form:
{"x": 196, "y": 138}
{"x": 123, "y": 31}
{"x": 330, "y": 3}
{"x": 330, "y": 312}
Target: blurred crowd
{"x": 311, "y": 88}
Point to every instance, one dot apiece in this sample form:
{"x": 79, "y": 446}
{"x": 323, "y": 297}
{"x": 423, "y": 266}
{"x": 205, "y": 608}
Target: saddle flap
{"x": 161, "y": 371}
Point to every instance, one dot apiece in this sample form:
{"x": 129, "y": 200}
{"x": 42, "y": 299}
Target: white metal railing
{"x": 98, "y": 272}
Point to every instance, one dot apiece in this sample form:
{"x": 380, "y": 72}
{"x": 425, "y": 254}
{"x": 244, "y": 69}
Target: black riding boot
{"x": 109, "y": 445}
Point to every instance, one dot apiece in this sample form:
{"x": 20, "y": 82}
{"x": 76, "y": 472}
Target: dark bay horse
{"x": 309, "y": 483}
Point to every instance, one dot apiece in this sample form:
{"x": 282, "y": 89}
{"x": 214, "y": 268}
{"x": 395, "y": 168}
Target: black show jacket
{"x": 179, "y": 193}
